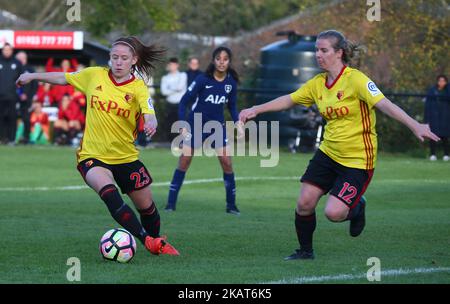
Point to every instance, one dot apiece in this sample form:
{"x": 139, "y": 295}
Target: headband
{"x": 126, "y": 43}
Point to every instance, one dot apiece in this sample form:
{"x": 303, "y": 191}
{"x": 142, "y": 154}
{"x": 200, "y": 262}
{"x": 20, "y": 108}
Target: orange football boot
{"x": 159, "y": 246}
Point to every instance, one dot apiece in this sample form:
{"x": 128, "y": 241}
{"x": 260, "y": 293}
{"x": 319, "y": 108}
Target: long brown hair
{"x": 147, "y": 56}
{"x": 211, "y": 67}
{"x": 351, "y": 51}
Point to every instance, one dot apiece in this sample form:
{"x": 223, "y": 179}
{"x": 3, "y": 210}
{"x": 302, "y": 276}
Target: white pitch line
{"x": 216, "y": 180}
{"x": 349, "y": 277}
{"x": 160, "y": 184}
{"x": 25, "y": 189}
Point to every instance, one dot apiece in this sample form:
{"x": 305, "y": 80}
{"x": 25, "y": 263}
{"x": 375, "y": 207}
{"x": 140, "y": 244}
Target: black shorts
{"x": 129, "y": 177}
{"x": 347, "y": 184}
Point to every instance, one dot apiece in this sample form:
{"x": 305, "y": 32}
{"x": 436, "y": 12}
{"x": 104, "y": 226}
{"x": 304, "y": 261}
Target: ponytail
{"x": 351, "y": 51}
{"x": 147, "y": 56}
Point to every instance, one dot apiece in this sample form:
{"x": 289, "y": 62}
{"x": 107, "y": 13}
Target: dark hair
{"x": 173, "y": 60}
{"x": 69, "y": 99}
{"x": 211, "y": 67}
{"x": 351, "y": 51}
{"x": 147, "y": 55}
{"x": 442, "y": 76}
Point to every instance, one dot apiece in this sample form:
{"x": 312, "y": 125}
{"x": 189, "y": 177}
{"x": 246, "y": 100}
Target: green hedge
{"x": 394, "y": 136}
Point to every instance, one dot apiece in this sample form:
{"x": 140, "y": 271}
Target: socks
{"x": 57, "y": 133}
{"x": 150, "y": 220}
{"x": 121, "y": 212}
{"x": 305, "y": 226}
{"x": 445, "y": 145}
{"x": 230, "y": 188}
{"x": 432, "y": 147}
{"x": 72, "y": 133}
{"x": 175, "y": 185}
{"x": 354, "y": 212}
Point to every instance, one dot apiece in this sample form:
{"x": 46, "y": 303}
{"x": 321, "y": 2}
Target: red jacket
{"x": 72, "y": 112}
{"x": 41, "y": 118}
{"x": 79, "y": 98}
{"x": 46, "y": 98}
{"x": 50, "y": 68}
{"x": 60, "y": 90}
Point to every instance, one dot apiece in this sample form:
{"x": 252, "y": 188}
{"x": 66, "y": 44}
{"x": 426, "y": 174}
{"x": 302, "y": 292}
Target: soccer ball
{"x": 118, "y": 245}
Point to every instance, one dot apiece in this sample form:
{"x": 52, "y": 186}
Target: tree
{"x": 39, "y": 13}
{"x": 229, "y": 18}
{"x": 418, "y": 40}
{"x": 209, "y": 17}
{"x": 99, "y": 17}
{"x": 407, "y": 48}
{"x": 130, "y": 16}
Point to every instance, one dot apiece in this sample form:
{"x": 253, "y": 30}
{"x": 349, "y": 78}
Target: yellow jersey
{"x": 112, "y": 113}
{"x": 347, "y": 105}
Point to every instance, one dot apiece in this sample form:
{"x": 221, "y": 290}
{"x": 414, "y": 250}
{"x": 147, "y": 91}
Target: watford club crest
{"x": 340, "y": 95}
{"x": 128, "y": 97}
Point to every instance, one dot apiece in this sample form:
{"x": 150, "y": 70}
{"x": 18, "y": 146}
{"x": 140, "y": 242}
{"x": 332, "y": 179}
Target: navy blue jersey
{"x": 209, "y": 97}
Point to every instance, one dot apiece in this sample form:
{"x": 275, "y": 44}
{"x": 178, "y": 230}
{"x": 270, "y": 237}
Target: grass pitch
{"x": 44, "y": 222}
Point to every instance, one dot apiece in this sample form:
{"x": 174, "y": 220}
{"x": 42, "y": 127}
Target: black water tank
{"x": 285, "y": 66}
